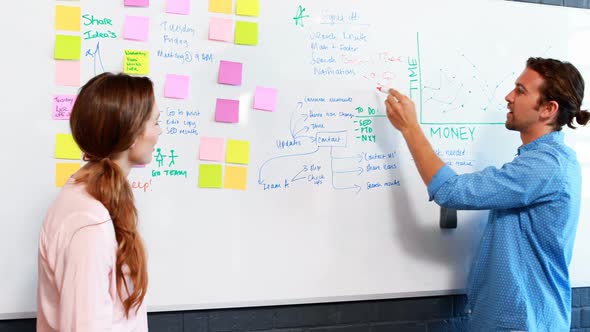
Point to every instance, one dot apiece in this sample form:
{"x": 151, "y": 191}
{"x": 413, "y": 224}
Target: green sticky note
{"x": 246, "y": 33}
{"x": 248, "y": 7}
{"x": 136, "y": 62}
{"x": 67, "y": 47}
{"x": 210, "y": 175}
{"x": 66, "y": 147}
{"x": 237, "y": 152}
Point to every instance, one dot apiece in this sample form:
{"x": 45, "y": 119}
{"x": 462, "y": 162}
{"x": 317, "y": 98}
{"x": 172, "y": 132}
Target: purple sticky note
{"x": 227, "y": 110}
{"x": 176, "y": 86}
{"x": 136, "y": 28}
{"x": 265, "y": 99}
{"x": 62, "y": 106}
{"x": 230, "y": 73}
{"x": 67, "y": 73}
{"x": 221, "y": 29}
{"x": 182, "y": 7}
{"x": 212, "y": 149}
{"x": 137, "y": 3}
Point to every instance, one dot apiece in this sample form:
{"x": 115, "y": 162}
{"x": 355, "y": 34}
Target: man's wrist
{"x": 411, "y": 130}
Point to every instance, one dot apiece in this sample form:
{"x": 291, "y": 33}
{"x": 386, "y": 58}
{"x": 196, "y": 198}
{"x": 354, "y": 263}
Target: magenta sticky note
{"x": 137, "y": 3}
{"x": 136, "y": 28}
{"x": 221, "y": 29}
{"x": 182, "y": 7}
{"x": 212, "y": 149}
{"x": 265, "y": 99}
{"x": 62, "y": 106}
{"x": 67, "y": 73}
{"x": 176, "y": 86}
{"x": 230, "y": 73}
{"x": 227, "y": 110}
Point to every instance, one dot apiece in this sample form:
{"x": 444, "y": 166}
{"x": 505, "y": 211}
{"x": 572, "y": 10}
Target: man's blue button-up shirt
{"x": 519, "y": 279}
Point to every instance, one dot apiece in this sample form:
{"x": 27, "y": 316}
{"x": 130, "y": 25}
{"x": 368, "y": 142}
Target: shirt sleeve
{"x": 85, "y": 300}
{"x": 530, "y": 178}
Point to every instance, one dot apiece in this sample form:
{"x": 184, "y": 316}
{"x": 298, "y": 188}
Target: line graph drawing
{"x": 464, "y": 94}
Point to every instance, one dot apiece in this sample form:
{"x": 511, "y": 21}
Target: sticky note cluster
{"x": 215, "y": 149}
{"x": 243, "y": 7}
{"x": 240, "y": 32}
{"x": 67, "y": 45}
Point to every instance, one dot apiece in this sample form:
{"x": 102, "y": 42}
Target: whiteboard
{"x": 334, "y": 208}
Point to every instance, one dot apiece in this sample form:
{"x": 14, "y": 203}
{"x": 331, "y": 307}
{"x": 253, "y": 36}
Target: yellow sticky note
{"x": 220, "y": 6}
{"x": 67, "y": 18}
{"x": 237, "y": 152}
{"x": 235, "y": 177}
{"x": 210, "y": 176}
{"x": 246, "y": 33}
{"x": 137, "y": 62}
{"x": 63, "y": 171}
{"x": 67, "y": 47}
{"x": 248, "y": 7}
{"x": 66, "y": 147}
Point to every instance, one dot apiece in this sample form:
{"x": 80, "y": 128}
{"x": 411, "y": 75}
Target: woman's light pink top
{"x": 77, "y": 288}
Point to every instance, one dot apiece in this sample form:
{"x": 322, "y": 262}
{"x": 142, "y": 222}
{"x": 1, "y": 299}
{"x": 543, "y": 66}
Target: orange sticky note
{"x": 63, "y": 171}
{"x": 220, "y": 6}
{"x": 235, "y": 177}
{"x": 67, "y": 18}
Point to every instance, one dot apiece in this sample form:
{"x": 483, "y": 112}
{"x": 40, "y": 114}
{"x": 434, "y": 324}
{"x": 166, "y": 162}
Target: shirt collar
{"x": 552, "y": 137}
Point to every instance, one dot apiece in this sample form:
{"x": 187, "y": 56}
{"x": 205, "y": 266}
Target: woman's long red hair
{"x": 109, "y": 114}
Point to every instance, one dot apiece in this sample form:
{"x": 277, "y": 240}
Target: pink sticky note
{"x": 176, "y": 86}
{"x": 136, "y": 28}
{"x": 67, "y": 73}
{"x": 221, "y": 29}
{"x": 137, "y": 3}
{"x": 182, "y": 7}
{"x": 62, "y": 106}
{"x": 227, "y": 110}
{"x": 230, "y": 72}
{"x": 212, "y": 149}
{"x": 265, "y": 99}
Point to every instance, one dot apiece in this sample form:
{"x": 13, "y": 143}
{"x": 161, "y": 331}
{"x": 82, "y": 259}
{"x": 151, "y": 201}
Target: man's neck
{"x": 528, "y": 136}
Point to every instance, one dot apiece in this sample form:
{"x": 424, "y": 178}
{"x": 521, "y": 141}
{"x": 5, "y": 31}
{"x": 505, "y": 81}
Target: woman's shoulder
{"x": 75, "y": 208}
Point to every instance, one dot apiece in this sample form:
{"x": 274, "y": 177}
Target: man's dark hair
{"x": 563, "y": 84}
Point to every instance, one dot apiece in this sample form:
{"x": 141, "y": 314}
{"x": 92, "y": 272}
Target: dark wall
{"x": 427, "y": 314}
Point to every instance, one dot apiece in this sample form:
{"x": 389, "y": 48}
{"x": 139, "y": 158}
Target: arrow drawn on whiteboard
{"x": 306, "y": 129}
{"x": 261, "y": 181}
{"x": 358, "y": 170}
{"x": 354, "y": 156}
{"x": 296, "y": 178}
{"x": 356, "y": 187}
{"x": 95, "y": 54}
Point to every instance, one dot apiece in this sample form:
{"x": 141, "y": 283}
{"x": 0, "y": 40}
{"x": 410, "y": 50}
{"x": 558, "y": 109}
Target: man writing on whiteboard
{"x": 519, "y": 278}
